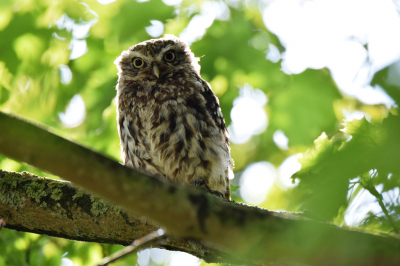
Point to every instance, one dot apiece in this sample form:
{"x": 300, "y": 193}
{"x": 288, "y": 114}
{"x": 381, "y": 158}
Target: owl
{"x": 169, "y": 120}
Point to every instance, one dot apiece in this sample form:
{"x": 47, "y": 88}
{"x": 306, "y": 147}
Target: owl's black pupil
{"x": 169, "y": 56}
{"x": 138, "y": 62}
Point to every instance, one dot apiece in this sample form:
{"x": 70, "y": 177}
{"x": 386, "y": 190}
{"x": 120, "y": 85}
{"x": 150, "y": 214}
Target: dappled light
{"x": 105, "y": 2}
{"x": 66, "y": 262}
{"x": 255, "y": 182}
{"x": 248, "y": 115}
{"x": 79, "y": 31}
{"x": 281, "y": 140}
{"x": 362, "y": 205}
{"x": 286, "y": 170}
{"x": 358, "y": 115}
{"x": 319, "y": 34}
{"x": 209, "y": 11}
{"x": 157, "y": 256}
{"x": 66, "y": 74}
{"x": 273, "y": 54}
{"x": 75, "y": 112}
{"x": 175, "y": 3}
{"x": 156, "y": 29}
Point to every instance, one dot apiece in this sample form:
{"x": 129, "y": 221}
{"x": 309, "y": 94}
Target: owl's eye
{"x": 138, "y": 63}
{"x": 169, "y": 56}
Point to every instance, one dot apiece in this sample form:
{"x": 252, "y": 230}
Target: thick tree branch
{"x": 56, "y": 208}
{"x": 247, "y": 232}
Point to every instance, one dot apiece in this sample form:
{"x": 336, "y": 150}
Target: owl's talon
{"x": 217, "y": 193}
{"x": 198, "y": 183}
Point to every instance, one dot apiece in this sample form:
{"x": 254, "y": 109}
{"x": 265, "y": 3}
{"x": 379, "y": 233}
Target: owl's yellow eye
{"x": 169, "y": 56}
{"x": 138, "y": 63}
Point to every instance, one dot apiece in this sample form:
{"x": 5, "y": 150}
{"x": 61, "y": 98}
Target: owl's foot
{"x": 202, "y": 184}
{"x": 217, "y": 193}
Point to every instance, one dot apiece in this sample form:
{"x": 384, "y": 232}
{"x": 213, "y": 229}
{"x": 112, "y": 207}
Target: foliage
{"x": 38, "y": 40}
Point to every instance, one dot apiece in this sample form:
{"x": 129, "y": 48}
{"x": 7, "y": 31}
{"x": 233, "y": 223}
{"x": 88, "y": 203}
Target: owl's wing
{"x": 213, "y": 107}
{"x": 212, "y": 104}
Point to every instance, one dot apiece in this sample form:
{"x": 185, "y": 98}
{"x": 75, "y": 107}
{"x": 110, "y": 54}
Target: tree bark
{"x": 56, "y": 208}
{"x": 244, "y": 232}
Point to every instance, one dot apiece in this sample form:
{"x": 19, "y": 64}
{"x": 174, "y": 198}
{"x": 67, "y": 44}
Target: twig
{"x": 136, "y": 246}
{"x": 378, "y": 196}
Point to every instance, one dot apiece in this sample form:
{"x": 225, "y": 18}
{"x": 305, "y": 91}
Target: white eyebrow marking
{"x": 165, "y": 49}
{"x": 132, "y": 54}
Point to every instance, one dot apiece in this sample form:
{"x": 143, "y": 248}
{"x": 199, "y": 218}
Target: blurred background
{"x": 309, "y": 90}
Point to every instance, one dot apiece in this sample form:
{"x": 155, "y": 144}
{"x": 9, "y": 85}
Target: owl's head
{"x": 156, "y": 59}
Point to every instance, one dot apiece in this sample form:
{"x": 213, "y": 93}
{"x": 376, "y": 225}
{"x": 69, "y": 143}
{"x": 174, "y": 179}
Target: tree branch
{"x": 56, "y": 208}
{"x": 245, "y": 232}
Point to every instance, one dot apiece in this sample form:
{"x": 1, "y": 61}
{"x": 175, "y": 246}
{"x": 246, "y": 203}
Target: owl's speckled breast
{"x": 169, "y": 133}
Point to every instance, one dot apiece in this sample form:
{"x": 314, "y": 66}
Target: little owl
{"x": 169, "y": 120}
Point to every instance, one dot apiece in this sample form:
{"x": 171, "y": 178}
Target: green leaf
{"x": 303, "y": 107}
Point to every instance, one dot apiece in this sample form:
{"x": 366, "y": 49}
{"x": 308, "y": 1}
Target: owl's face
{"x": 155, "y": 60}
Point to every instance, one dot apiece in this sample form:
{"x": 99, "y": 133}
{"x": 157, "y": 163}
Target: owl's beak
{"x": 156, "y": 71}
